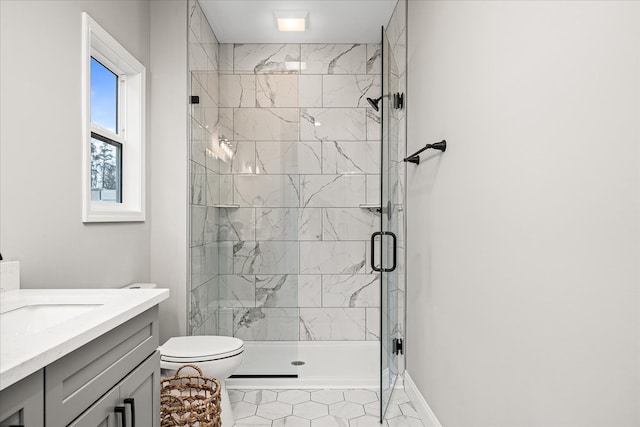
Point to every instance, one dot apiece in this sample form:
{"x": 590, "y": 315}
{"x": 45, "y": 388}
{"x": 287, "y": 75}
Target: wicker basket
{"x": 190, "y": 400}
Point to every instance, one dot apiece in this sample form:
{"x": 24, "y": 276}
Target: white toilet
{"x": 216, "y": 356}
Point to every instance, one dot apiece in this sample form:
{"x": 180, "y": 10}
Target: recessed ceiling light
{"x": 292, "y": 21}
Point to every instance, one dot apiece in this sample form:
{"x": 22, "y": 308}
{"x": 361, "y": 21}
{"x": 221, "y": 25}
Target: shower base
{"x": 326, "y": 364}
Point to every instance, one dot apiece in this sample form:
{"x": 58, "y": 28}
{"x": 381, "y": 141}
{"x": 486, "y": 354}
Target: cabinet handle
{"x": 131, "y": 401}
{"x": 120, "y": 410}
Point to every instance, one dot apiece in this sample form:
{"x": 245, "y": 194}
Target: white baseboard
{"x": 422, "y": 407}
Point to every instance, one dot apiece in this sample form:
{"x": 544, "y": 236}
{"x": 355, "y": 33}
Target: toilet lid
{"x": 200, "y": 347}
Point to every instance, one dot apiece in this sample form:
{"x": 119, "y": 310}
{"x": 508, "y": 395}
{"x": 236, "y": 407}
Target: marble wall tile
{"x": 353, "y": 290}
{"x": 332, "y": 257}
{"x": 237, "y": 90}
{"x": 288, "y": 224}
{"x": 332, "y": 190}
{"x": 225, "y": 321}
{"x": 374, "y": 59}
{"x": 234, "y": 224}
{"x": 373, "y": 189}
{"x": 195, "y": 18}
{"x": 266, "y": 124}
{"x": 226, "y": 189}
{"x": 309, "y": 290}
{"x": 237, "y": 291}
{"x": 266, "y": 324}
{"x": 310, "y": 224}
{"x": 273, "y": 90}
{"x": 266, "y": 58}
{"x": 349, "y": 157}
{"x": 373, "y": 125}
{"x": 211, "y": 323}
{"x": 243, "y": 158}
{"x": 349, "y": 223}
{"x": 213, "y": 188}
{"x": 334, "y": 58}
{"x": 225, "y": 58}
{"x": 276, "y": 223}
{"x": 265, "y": 257}
{"x": 197, "y": 142}
{"x": 225, "y": 123}
{"x": 225, "y": 256}
{"x": 266, "y": 190}
{"x": 310, "y": 91}
{"x": 198, "y": 218}
{"x": 341, "y": 124}
{"x": 204, "y": 262}
{"x": 198, "y": 184}
{"x": 277, "y": 290}
{"x": 289, "y": 157}
{"x": 332, "y": 324}
{"x": 349, "y": 90}
{"x": 211, "y": 225}
{"x": 373, "y": 323}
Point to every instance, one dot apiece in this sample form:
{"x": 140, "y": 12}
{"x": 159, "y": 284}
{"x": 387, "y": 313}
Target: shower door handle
{"x": 373, "y": 251}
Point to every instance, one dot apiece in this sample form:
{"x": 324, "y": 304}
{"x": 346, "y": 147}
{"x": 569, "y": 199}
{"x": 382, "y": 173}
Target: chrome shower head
{"x": 374, "y": 103}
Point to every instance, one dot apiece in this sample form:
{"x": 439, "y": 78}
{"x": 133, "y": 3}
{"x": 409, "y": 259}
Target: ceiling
{"x": 329, "y": 21}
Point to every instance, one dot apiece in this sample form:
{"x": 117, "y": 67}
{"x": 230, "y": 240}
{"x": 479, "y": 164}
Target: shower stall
{"x": 296, "y": 185}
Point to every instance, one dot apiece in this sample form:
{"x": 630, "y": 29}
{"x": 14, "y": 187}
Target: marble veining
{"x": 334, "y": 58}
{"x": 351, "y": 290}
{"x": 332, "y": 324}
{"x": 266, "y": 58}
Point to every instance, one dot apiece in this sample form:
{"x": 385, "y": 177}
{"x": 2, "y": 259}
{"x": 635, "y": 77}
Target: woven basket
{"x": 190, "y": 400}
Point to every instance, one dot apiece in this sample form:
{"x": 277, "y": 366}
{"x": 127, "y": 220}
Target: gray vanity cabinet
{"x": 86, "y": 387}
{"x": 139, "y": 386}
{"x": 22, "y": 404}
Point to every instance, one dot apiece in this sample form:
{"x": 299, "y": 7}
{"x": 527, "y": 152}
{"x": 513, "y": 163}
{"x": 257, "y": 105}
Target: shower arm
{"x": 415, "y": 157}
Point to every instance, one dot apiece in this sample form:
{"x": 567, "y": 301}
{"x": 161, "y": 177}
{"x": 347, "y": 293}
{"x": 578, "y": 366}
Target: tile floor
{"x": 320, "y": 408}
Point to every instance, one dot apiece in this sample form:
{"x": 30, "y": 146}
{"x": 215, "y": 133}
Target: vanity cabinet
{"x": 116, "y": 375}
{"x": 22, "y": 404}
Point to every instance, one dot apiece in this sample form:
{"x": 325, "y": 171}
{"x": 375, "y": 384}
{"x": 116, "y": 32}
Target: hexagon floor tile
{"x": 320, "y": 408}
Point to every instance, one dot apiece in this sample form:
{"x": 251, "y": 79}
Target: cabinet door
{"x": 143, "y": 387}
{"x": 22, "y": 404}
{"x": 100, "y": 414}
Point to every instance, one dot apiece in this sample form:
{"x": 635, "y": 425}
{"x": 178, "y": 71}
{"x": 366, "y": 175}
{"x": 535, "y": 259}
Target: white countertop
{"x": 24, "y": 353}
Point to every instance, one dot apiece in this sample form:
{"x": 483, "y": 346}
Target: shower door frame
{"x": 391, "y": 228}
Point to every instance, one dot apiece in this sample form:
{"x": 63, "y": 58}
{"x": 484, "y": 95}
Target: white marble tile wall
{"x": 305, "y": 154}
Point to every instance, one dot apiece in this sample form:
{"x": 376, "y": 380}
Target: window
{"x": 113, "y": 129}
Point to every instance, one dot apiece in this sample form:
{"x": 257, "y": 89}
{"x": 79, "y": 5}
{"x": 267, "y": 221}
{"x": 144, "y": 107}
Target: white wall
{"x": 40, "y": 146}
{"x": 168, "y": 153}
{"x": 523, "y": 251}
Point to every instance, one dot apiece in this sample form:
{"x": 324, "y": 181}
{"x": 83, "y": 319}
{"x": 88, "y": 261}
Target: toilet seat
{"x": 200, "y": 348}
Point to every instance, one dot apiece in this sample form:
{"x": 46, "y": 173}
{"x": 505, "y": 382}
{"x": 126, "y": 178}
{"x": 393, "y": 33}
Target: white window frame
{"x": 97, "y": 43}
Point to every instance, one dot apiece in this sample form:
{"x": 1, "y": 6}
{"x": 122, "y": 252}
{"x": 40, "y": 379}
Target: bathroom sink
{"x": 31, "y": 319}
{"x": 38, "y": 326}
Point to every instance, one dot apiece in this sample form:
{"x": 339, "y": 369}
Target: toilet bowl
{"x": 216, "y": 356}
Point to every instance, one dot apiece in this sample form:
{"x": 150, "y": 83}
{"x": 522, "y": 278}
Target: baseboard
{"x": 422, "y": 407}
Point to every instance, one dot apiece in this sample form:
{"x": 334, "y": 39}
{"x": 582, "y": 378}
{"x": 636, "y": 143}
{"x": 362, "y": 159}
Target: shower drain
{"x": 297, "y": 363}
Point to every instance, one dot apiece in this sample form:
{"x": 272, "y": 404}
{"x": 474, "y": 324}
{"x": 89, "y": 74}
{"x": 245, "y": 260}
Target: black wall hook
{"x": 415, "y": 157}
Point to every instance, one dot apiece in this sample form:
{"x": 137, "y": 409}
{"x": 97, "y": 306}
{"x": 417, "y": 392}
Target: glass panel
{"x": 392, "y": 225}
{"x": 244, "y": 235}
{"x": 106, "y": 171}
{"x": 104, "y": 97}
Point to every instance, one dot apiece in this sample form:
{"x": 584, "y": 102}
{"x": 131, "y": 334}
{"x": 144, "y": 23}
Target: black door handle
{"x": 131, "y": 402}
{"x": 119, "y": 410}
{"x": 373, "y": 237}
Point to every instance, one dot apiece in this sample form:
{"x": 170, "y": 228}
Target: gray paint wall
{"x": 168, "y": 153}
{"x": 40, "y": 147}
{"x": 523, "y": 255}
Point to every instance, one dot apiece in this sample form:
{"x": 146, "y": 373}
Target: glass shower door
{"x": 391, "y": 227}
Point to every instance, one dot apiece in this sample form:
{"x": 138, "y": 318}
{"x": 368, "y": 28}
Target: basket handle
{"x": 189, "y": 366}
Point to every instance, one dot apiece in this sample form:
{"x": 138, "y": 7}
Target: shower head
{"x": 374, "y": 103}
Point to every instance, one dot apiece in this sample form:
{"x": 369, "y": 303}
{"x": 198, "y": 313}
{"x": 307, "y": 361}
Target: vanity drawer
{"x": 76, "y": 381}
